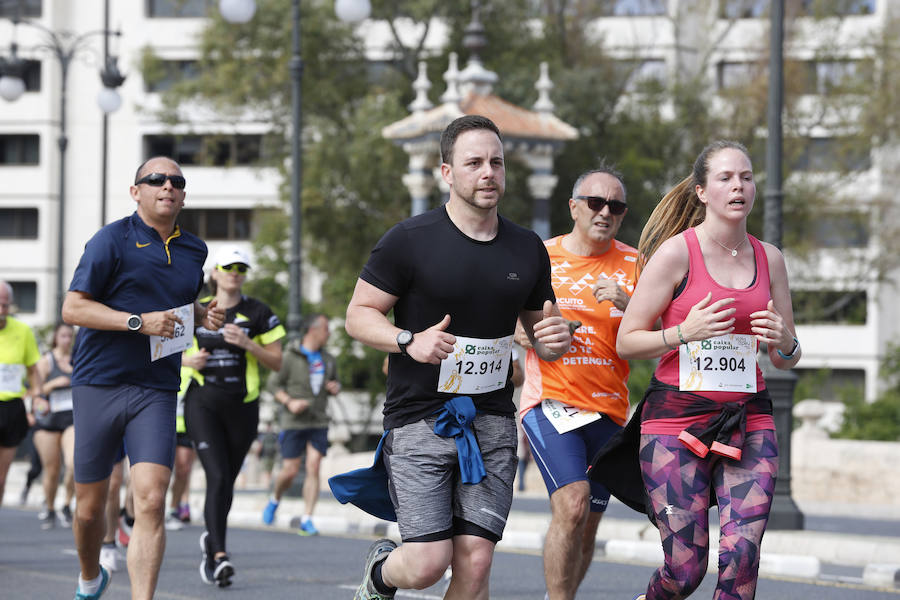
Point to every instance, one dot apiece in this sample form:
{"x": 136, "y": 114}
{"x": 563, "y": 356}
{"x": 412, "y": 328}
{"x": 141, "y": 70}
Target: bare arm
{"x": 547, "y": 331}
{"x": 774, "y": 326}
{"x": 80, "y": 308}
{"x": 268, "y": 354}
{"x": 367, "y": 322}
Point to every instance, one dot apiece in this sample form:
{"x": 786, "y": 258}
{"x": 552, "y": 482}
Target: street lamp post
{"x": 241, "y": 11}
{"x": 64, "y": 46}
{"x": 784, "y": 513}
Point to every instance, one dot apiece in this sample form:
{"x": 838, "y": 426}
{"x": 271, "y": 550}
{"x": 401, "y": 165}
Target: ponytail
{"x": 680, "y": 209}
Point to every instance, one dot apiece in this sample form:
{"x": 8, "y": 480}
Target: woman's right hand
{"x": 197, "y": 360}
{"x": 706, "y": 320}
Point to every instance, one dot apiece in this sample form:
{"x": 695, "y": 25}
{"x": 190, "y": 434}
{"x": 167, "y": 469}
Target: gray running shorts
{"x": 425, "y": 485}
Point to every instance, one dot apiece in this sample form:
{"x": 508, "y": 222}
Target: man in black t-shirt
{"x": 457, "y": 278}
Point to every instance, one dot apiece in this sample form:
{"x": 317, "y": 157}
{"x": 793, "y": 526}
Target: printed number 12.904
{"x": 706, "y": 363}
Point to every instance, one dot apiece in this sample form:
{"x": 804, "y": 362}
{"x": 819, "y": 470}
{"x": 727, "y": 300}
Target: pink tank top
{"x": 699, "y": 283}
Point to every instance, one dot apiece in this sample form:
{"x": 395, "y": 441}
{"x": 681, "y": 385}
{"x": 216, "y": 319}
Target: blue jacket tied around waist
{"x": 367, "y": 488}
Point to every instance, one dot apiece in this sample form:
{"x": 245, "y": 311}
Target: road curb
{"x": 882, "y": 575}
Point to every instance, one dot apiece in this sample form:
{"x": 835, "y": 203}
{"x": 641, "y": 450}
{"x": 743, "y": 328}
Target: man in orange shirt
{"x": 583, "y": 397}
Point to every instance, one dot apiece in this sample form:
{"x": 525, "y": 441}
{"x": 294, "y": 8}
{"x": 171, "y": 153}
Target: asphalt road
{"x": 275, "y": 565}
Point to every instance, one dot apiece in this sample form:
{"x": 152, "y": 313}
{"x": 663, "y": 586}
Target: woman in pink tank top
{"x": 706, "y": 428}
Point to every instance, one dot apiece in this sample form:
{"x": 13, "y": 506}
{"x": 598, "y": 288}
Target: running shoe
{"x": 173, "y": 523}
{"x": 269, "y": 512}
{"x": 184, "y": 513}
{"x": 65, "y": 516}
{"x": 640, "y": 597}
{"x": 49, "y": 520}
{"x": 223, "y": 571}
{"x": 110, "y": 557}
{"x": 378, "y": 552}
{"x": 104, "y": 583}
{"x": 43, "y": 514}
{"x": 307, "y": 528}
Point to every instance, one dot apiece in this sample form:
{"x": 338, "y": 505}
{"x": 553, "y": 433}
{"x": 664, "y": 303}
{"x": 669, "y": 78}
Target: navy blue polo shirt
{"x": 128, "y": 267}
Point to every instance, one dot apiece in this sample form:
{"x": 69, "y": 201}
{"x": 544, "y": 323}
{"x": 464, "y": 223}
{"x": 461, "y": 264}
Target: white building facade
{"x": 661, "y": 39}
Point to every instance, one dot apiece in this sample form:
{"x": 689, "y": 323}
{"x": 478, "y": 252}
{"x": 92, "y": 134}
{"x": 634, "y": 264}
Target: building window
{"x": 731, "y": 75}
{"x": 822, "y": 155}
{"x": 170, "y": 73}
{"x": 837, "y": 76}
{"x": 743, "y": 9}
{"x": 640, "y": 75}
{"x": 29, "y": 8}
{"x": 178, "y": 8}
{"x": 831, "y": 307}
{"x": 830, "y": 8}
{"x": 18, "y": 223}
{"x": 20, "y": 149}
{"x": 633, "y": 8}
{"x": 206, "y": 150}
{"x": 25, "y": 295}
{"x": 217, "y": 223}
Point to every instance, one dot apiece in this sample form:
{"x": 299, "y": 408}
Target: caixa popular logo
{"x": 470, "y": 348}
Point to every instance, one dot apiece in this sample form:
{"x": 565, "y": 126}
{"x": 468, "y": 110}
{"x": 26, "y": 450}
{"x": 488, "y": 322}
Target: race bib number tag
{"x": 566, "y": 418}
{"x": 60, "y": 400}
{"x": 726, "y": 363}
{"x": 11, "y": 377}
{"x": 476, "y": 366}
{"x": 183, "y": 339}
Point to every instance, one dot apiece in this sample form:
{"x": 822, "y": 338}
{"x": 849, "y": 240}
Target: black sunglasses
{"x": 596, "y": 204}
{"x": 234, "y": 267}
{"x": 159, "y": 179}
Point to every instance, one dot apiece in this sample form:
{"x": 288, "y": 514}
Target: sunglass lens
{"x": 159, "y": 179}
{"x": 178, "y": 182}
{"x": 616, "y": 207}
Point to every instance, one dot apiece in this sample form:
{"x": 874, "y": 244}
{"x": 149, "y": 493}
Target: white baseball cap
{"x": 229, "y": 255}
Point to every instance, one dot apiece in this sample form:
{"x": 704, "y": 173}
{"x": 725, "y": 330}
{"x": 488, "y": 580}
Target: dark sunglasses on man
{"x": 159, "y": 180}
{"x": 596, "y": 204}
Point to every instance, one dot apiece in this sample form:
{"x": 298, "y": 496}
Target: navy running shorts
{"x": 105, "y": 415}
{"x": 293, "y": 441}
{"x": 563, "y": 458}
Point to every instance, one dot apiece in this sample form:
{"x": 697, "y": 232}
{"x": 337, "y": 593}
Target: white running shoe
{"x": 110, "y": 557}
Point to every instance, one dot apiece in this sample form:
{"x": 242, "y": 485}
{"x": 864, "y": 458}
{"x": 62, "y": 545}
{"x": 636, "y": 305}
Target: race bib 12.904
{"x": 726, "y": 363}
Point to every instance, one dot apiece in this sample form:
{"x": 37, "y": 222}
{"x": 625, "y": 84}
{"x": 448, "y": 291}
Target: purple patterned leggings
{"x": 679, "y": 484}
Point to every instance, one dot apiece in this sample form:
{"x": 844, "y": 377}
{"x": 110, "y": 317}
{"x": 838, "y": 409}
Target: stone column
{"x": 419, "y": 180}
{"x": 541, "y": 184}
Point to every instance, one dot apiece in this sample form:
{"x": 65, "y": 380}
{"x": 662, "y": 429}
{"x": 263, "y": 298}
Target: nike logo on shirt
{"x": 140, "y": 245}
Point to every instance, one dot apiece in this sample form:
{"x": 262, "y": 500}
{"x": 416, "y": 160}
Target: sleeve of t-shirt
{"x": 32, "y": 354}
{"x": 97, "y": 265}
{"x": 543, "y": 289}
{"x": 388, "y": 267}
{"x": 271, "y": 329}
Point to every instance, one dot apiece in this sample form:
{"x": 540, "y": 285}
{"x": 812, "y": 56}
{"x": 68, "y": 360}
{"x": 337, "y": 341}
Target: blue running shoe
{"x": 307, "y": 528}
{"x": 104, "y": 583}
{"x": 269, "y": 512}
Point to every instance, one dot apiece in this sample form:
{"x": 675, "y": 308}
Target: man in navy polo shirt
{"x": 134, "y": 296}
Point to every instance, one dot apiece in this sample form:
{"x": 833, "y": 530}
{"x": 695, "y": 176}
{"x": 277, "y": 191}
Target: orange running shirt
{"x": 590, "y": 375}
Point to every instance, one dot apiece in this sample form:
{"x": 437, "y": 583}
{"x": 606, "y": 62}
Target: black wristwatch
{"x": 135, "y": 322}
{"x": 404, "y": 339}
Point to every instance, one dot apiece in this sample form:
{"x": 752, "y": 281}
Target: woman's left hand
{"x": 769, "y": 328}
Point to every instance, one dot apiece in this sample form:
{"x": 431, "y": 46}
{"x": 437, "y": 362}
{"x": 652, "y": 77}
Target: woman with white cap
{"x": 221, "y": 410}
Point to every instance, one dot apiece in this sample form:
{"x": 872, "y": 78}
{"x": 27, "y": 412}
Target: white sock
{"x": 273, "y": 500}
{"x": 92, "y": 586}
{"x": 305, "y": 518}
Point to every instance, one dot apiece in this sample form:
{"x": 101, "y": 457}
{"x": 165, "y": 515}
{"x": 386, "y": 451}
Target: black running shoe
{"x": 49, "y": 520}
{"x": 223, "y": 571}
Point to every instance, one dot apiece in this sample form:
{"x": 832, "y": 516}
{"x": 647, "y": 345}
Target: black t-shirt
{"x": 435, "y": 269}
{"x": 231, "y": 369}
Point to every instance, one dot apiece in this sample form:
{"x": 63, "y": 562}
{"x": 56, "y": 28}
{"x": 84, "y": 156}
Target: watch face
{"x": 134, "y": 322}
{"x": 404, "y": 337}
